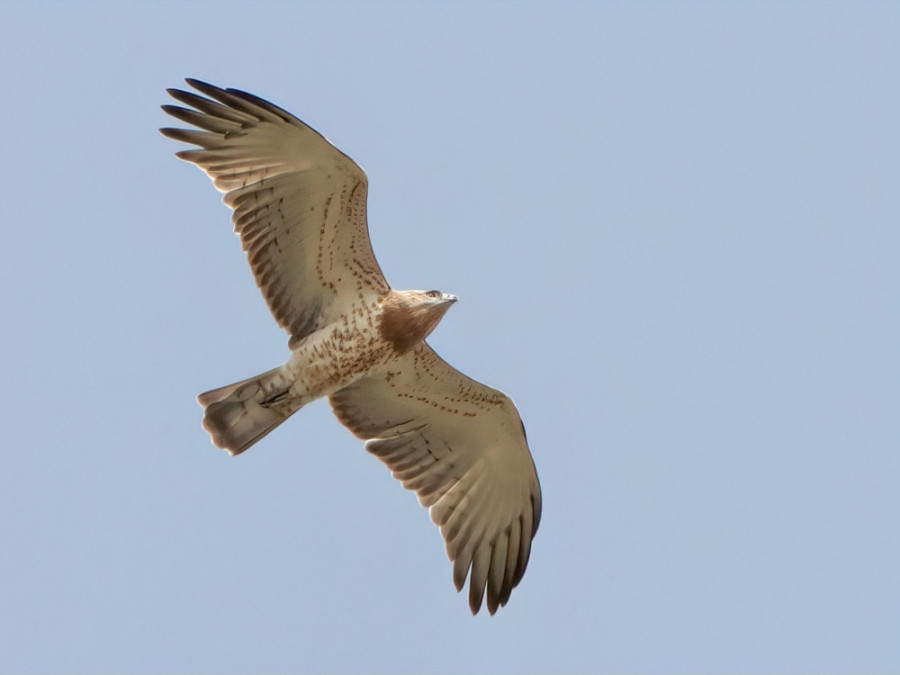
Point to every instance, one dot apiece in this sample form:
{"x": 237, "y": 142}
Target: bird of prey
{"x": 299, "y": 208}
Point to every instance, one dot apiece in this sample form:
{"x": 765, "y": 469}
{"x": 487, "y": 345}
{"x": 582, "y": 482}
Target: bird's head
{"x": 408, "y": 317}
{"x": 433, "y": 298}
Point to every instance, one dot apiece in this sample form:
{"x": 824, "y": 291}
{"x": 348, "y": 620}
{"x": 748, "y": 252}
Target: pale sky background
{"x": 675, "y": 232}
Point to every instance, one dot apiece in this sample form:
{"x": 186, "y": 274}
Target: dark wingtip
{"x": 177, "y": 134}
{"x": 197, "y": 84}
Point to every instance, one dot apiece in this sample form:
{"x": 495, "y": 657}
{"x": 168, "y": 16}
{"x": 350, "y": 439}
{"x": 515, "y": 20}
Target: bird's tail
{"x": 238, "y": 415}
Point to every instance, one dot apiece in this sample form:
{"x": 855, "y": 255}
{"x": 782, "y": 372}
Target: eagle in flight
{"x": 299, "y": 207}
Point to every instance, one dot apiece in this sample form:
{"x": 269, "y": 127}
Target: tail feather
{"x": 240, "y": 414}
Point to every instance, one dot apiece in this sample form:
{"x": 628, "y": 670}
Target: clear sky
{"x": 675, "y": 232}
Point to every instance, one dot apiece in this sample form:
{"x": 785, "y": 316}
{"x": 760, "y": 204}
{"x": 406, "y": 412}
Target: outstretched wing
{"x": 299, "y": 203}
{"x": 461, "y": 446}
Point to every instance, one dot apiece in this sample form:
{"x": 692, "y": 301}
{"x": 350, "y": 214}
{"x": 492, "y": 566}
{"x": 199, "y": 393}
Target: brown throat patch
{"x": 405, "y": 321}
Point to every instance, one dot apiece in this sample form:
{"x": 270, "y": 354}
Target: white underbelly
{"x": 334, "y": 357}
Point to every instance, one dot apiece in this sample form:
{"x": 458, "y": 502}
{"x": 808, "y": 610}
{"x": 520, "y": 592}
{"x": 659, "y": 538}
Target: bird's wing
{"x": 461, "y": 446}
{"x": 299, "y": 203}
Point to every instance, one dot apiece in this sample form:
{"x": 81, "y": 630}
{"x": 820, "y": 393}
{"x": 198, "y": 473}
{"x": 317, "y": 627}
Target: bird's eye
{"x": 434, "y": 294}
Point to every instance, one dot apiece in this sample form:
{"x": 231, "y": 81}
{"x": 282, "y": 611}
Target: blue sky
{"x": 674, "y": 231}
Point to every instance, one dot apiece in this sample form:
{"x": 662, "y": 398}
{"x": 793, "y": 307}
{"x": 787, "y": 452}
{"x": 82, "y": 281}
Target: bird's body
{"x": 363, "y": 341}
{"x": 300, "y": 210}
